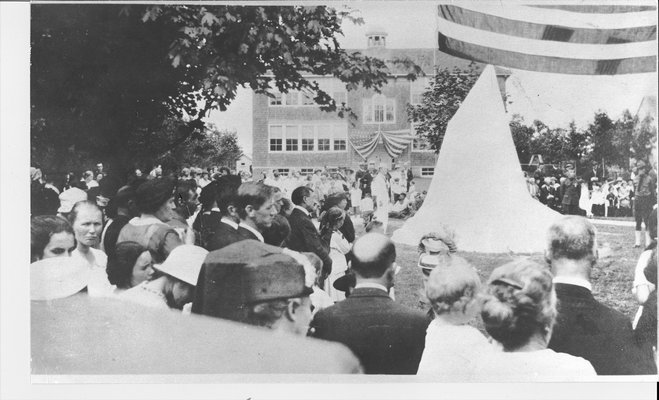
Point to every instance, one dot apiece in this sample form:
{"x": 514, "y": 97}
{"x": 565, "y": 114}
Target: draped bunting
{"x": 394, "y": 142}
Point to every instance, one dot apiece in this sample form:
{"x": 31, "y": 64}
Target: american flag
{"x": 568, "y": 39}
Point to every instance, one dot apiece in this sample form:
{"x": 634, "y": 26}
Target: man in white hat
{"x": 175, "y": 287}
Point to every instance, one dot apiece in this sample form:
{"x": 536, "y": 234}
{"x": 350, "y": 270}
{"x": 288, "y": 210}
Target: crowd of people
{"x": 591, "y": 194}
{"x": 282, "y": 253}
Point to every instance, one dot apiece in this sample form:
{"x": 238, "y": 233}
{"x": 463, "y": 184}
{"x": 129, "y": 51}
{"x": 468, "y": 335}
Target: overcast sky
{"x": 552, "y": 98}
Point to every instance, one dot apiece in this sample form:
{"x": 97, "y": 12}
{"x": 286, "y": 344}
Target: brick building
{"x": 291, "y": 132}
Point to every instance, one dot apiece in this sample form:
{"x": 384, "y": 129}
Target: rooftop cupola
{"x": 377, "y": 38}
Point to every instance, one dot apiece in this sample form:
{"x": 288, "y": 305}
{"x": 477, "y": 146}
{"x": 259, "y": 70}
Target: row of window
{"x": 319, "y": 138}
{"x": 308, "y": 138}
{"x": 296, "y": 99}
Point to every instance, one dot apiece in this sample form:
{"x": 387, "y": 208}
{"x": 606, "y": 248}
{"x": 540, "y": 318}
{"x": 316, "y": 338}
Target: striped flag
{"x": 568, "y": 39}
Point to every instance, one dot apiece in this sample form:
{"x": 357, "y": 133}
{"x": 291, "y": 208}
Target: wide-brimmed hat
{"x": 57, "y": 277}
{"x": 184, "y": 263}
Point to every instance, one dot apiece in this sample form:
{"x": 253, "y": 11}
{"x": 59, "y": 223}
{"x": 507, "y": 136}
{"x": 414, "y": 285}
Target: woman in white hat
{"x": 175, "y": 286}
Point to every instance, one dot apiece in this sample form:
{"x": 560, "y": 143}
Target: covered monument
{"x": 478, "y": 191}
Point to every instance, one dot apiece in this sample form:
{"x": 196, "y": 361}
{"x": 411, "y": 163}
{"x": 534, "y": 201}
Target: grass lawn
{"x": 612, "y": 276}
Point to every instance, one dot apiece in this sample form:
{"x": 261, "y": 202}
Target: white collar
{"x": 371, "y": 285}
{"x": 304, "y": 210}
{"x": 569, "y": 280}
{"x": 254, "y": 231}
{"x": 229, "y": 222}
{"x": 145, "y": 219}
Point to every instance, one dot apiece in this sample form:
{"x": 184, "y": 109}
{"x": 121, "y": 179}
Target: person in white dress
{"x": 331, "y": 222}
{"x": 453, "y": 348}
{"x": 86, "y": 218}
{"x": 380, "y": 193}
{"x": 519, "y": 311}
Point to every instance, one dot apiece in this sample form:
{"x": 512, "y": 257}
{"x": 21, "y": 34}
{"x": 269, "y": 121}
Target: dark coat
{"x": 305, "y": 237}
{"x": 586, "y": 328}
{"x": 387, "y": 337}
{"x": 225, "y": 235}
{"x": 570, "y": 192}
{"x": 348, "y": 229}
{"x": 205, "y": 225}
{"x": 246, "y": 234}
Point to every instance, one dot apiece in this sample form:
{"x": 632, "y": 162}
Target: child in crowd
{"x": 453, "y": 349}
{"x": 411, "y": 192}
{"x": 597, "y": 199}
{"x": 355, "y": 198}
{"x": 612, "y": 202}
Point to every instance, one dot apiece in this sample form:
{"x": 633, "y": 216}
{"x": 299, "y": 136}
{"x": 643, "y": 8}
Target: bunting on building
{"x": 570, "y": 39}
{"x": 394, "y": 142}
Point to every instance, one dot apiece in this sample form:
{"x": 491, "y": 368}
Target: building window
{"x": 307, "y": 99}
{"x": 324, "y": 137}
{"x": 307, "y": 138}
{"x": 276, "y": 136}
{"x": 282, "y": 171}
{"x": 277, "y": 101}
{"x": 306, "y": 171}
{"x": 427, "y": 171}
{"x": 292, "y": 137}
{"x": 417, "y": 88}
{"x": 340, "y": 138}
{"x": 379, "y": 109}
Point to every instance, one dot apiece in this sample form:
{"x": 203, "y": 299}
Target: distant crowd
{"x": 590, "y": 193}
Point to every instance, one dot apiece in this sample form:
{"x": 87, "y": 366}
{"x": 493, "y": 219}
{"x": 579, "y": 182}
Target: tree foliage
{"x": 440, "y": 102}
{"x": 612, "y": 142}
{"x": 216, "y": 147}
{"x": 127, "y": 83}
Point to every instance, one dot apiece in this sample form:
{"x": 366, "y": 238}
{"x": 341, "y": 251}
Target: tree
{"x": 600, "y": 136}
{"x": 644, "y": 137}
{"x": 128, "y": 83}
{"x": 522, "y": 137}
{"x": 440, "y": 102}
{"x": 216, "y": 148}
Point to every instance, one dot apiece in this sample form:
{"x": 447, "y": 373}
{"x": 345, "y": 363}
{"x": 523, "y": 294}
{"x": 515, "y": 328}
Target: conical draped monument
{"x": 478, "y": 189}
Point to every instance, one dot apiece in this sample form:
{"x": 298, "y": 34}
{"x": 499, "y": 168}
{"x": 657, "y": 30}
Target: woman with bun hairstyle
{"x": 519, "y": 310}
{"x": 330, "y": 225}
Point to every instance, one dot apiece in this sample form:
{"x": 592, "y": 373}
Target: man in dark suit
{"x": 387, "y": 337}
{"x": 226, "y": 232}
{"x": 570, "y": 193}
{"x": 256, "y": 209}
{"x": 584, "y": 327}
{"x": 304, "y": 236}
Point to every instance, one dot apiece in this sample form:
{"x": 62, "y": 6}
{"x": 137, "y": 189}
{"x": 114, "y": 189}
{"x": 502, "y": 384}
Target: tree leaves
{"x": 447, "y": 91}
{"x": 106, "y": 76}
